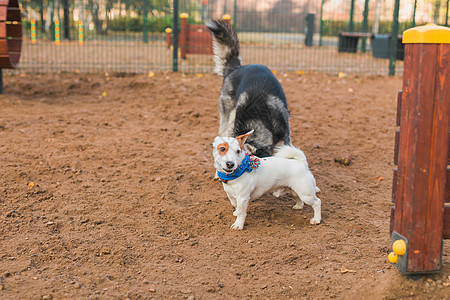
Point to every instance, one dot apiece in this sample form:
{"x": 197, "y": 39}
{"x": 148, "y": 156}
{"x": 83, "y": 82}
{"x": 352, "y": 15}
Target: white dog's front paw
{"x": 237, "y": 225}
{"x": 314, "y": 221}
{"x": 235, "y": 213}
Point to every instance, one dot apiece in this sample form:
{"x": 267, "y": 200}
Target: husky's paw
{"x": 299, "y": 205}
{"x": 235, "y": 213}
{"x": 317, "y": 190}
{"x": 314, "y": 221}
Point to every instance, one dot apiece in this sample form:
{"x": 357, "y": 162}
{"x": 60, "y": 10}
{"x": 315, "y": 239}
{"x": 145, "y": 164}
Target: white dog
{"x": 245, "y": 177}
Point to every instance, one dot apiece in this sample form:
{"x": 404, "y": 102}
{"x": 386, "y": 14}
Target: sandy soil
{"x": 124, "y": 204}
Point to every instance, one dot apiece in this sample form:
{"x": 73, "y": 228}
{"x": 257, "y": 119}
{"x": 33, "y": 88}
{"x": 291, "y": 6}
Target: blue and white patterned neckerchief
{"x": 248, "y": 164}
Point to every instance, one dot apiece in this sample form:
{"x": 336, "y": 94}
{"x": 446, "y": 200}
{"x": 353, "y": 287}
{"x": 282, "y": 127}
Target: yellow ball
{"x": 399, "y": 247}
{"x": 392, "y": 257}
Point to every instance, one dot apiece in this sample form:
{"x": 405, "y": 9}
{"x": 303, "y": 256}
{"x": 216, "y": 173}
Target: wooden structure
{"x": 193, "y": 39}
{"x": 420, "y": 218}
{"x": 10, "y": 36}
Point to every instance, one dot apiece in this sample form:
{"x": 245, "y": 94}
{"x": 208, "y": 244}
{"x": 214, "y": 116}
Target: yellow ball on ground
{"x": 399, "y": 247}
{"x": 392, "y": 257}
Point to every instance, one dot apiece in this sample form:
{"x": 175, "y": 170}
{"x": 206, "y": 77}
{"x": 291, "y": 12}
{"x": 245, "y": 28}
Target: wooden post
{"x": 421, "y": 179}
{"x": 184, "y": 35}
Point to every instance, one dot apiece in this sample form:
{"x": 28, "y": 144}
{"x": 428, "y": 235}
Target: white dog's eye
{"x": 238, "y": 152}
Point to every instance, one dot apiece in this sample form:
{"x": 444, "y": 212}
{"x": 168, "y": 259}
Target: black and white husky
{"x": 251, "y": 96}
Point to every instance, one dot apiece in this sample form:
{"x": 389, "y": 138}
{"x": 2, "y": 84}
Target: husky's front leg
{"x": 240, "y": 213}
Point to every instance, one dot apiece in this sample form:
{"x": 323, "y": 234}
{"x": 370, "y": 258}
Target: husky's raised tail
{"x": 226, "y": 47}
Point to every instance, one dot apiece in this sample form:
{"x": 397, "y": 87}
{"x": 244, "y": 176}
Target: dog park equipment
{"x": 57, "y": 34}
{"x": 80, "y": 33}
{"x": 33, "y": 31}
{"x": 193, "y": 39}
{"x": 420, "y": 218}
{"x": 10, "y": 36}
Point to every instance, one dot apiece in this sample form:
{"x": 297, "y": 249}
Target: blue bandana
{"x": 248, "y": 164}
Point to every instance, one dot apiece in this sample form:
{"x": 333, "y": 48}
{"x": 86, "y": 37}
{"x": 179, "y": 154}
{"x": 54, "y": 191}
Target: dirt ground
{"x": 124, "y": 204}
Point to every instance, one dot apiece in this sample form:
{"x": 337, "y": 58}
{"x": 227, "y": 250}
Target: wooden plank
{"x": 447, "y": 187}
{"x": 399, "y": 107}
{"x": 438, "y": 157}
{"x": 448, "y": 152}
{"x": 13, "y": 3}
{"x": 3, "y": 13}
{"x": 2, "y": 30}
{"x": 3, "y": 47}
{"x": 13, "y": 14}
{"x": 397, "y": 140}
{"x": 394, "y": 184}
{"x": 14, "y": 45}
{"x": 5, "y": 62}
{"x": 14, "y": 30}
{"x": 446, "y": 230}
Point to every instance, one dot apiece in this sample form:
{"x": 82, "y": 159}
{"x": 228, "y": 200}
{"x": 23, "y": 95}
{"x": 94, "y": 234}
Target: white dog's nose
{"x": 230, "y": 164}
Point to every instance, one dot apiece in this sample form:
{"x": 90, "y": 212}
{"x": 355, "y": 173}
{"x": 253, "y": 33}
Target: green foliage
{"x": 332, "y": 28}
{"x": 125, "y": 23}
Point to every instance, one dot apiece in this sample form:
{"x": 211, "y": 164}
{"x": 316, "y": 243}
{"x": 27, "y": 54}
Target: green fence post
{"x": 175, "y": 37}
{"x": 414, "y": 14}
{"x": 352, "y": 12}
{"x": 234, "y": 15}
{"x": 321, "y": 23}
{"x": 145, "y": 23}
{"x": 365, "y": 25}
{"x": 446, "y": 15}
{"x": 394, "y": 39}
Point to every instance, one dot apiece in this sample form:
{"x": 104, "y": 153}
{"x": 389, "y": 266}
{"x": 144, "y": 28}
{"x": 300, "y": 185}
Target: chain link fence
{"x": 286, "y": 35}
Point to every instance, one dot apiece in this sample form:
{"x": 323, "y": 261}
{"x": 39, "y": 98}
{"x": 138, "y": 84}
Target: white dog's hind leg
{"x": 240, "y": 213}
{"x": 316, "y": 205}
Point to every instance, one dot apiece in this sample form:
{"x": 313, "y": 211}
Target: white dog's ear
{"x": 242, "y": 138}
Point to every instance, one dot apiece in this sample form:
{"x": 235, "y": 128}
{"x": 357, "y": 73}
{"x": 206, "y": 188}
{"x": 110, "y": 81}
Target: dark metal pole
{"x": 145, "y": 23}
{"x": 414, "y": 14}
{"x": 66, "y": 19}
{"x": 352, "y": 12}
{"x": 175, "y": 36}
{"x": 365, "y": 25}
{"x": 394, "y": 39}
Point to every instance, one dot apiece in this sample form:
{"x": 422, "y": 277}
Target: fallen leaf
{"x": 104, "y": 94}
{"x": 345, "y": 270}
{"x": 342, "y": 75}
{"x": 31, "y": 185}
{"x": 151, "y": 74}
{"x": 300, "y": 72}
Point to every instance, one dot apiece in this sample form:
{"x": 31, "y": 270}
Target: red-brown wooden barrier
{"x": 10, "y": 33}
{"x": 420, "y": 218}
{"x": 10, "y": 36}
{"x": 193, "y": 39}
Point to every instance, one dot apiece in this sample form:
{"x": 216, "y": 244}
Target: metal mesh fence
{"x": 286, "y": 35}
